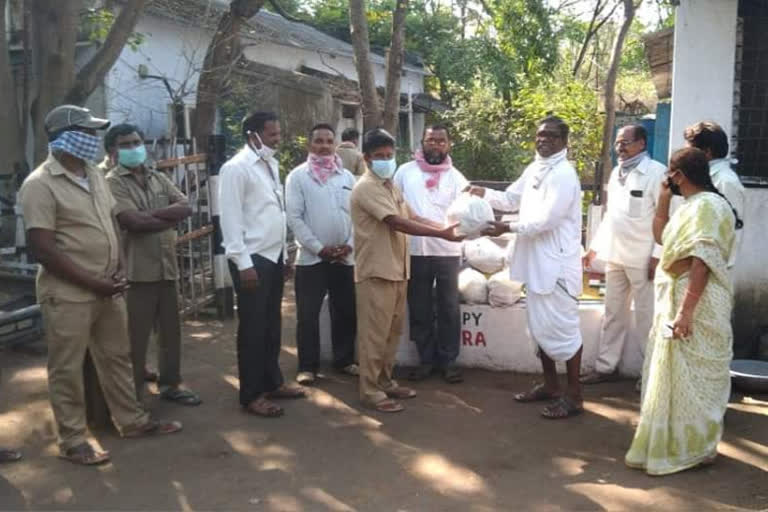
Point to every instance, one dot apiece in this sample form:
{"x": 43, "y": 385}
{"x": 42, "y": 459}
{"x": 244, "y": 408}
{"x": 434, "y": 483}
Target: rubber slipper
{"x": 9, "y": 456}
{"x": 287, "y": 393}
{"x": 85, "y": 455}
{"x": 388, "y": 405}
{"x": 305, "y": 378}
{"x": 420, "y": 372}
{"x": 561, "y": 409}
{"x": 453, "y": 375}
{"x": 401, "y": 393}
{"x": 154, "y": 428}
{"x": 598, "y": 378}
{"x": 264, "y": 408}
{"x": 535, "y": 394}
{"x": 181, "y": 396}
{"x": 350, "y": 369}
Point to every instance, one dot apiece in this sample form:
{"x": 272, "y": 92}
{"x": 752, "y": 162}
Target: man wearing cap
{"x": 68, "y": 213}
{"x": 149, "y": 206}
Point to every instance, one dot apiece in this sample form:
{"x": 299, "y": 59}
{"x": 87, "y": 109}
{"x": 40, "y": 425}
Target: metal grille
{"x": 750, "y": 116}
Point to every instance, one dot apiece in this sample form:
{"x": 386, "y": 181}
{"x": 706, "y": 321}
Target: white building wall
{"x": 170, "y": 50}
{"x": 703, "y": 65}
{"x": 703, "y": 88}
{"x": 177, "y": 51}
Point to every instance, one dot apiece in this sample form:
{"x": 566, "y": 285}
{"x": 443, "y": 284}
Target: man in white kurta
{"x": 709, "y": 137}
{"x": 547, "y": 258}
{"x": 624, "y": 241}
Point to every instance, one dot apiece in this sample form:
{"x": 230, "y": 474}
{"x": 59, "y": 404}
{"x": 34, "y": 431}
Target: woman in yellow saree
{"x": 686, "y": 381}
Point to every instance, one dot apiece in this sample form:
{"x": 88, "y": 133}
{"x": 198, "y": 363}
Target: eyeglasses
{"x": 435, "y": 142}
{"x": 623, "y": 143}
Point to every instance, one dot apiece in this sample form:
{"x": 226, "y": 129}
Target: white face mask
{"x": 264, "y": 151}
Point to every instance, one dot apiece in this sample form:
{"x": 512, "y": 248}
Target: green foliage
{"x": 494, "y": 138}
{"x": 233, "y": 107}
{"x": 517, "y": 39}
{"x": 96, "y": 24}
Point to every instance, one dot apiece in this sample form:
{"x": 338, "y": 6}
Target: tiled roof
{"x": 265, "y": 25}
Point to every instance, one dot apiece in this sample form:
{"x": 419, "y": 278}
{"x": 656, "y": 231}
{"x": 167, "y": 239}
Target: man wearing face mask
{"x": 317, "y": 207}
{"x": 253, "y": 231}
{"x": 381, "y": 219}
{"x": 68, "y": 213}
{"x": 547, "y": 258}
{"x": 149, "y": 207}
{"x": 625, "y": 242}
{"x": 430, "y": 183}
{"x": 709, "y": 137}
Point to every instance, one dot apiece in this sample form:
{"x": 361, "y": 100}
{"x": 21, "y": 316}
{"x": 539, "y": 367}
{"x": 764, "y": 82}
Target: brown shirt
{"x": 81, "y": 218}
{"x": 351, "y": 158}
{"x": 380, "y": 251}
{"x": 148, "y": 256}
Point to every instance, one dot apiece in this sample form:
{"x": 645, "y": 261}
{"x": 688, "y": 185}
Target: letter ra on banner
{"x": 476, "y": 339}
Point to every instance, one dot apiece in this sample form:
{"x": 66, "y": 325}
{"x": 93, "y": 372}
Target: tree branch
{"x": 92, "y": 74}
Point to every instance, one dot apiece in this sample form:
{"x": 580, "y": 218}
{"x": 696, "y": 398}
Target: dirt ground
{"x": 464, "y": 447}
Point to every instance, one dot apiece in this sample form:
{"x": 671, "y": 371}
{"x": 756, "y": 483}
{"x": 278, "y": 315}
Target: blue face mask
{"x": 384, "y": 169}
{"x": 133, "y": 157}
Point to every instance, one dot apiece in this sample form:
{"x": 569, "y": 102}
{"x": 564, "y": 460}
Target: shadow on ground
{"x": 464, "y": 447}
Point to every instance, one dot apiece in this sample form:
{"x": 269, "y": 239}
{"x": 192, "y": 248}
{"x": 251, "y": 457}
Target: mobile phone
{"x": 636, "y": 193}
{"x": 668, "y": 331}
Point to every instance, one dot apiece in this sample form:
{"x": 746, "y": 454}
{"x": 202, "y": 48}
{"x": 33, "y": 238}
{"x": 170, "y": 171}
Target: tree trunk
{"x": 55, "y": 27}
{"x": 358, "y": 28}
{"x": 55, "y": 33}
{"x": 610, "y": 88}
{"x": 11, "y": 137}
{"x": 93, "y": 73}
{"x": 395, "y": 68}
{"x": 220, "y": 57}
{"x": 592, "y": 29}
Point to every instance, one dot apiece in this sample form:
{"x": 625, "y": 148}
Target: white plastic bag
{"x": 502, "y": 291}
{"x": 473, "y": 287}
{"x": 472, "y": 213}
{"x": 484, "y": 255}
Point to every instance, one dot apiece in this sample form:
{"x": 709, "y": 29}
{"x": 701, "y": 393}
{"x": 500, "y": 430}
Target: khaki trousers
{"x": 380, "y": 315}
{"x": 622, "y": 286}
{"x": 100, "y": 327}
{"x": 155, "y": 304}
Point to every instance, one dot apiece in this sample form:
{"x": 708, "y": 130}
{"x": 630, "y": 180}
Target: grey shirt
{"x": 318, "y": 214}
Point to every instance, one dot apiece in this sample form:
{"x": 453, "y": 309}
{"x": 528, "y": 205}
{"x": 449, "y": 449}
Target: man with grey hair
{"x": 624, "y": 241}
{"x": 68, "y": 214}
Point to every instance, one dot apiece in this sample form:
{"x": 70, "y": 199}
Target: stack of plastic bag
{"x": 472, "y": 213}
{"x": 485, "y": 255}
{"x": 502, "y": 291}
{"x": 473, "y": 287}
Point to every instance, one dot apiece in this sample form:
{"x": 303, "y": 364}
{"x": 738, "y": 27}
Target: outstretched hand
{"x": 496, "y": 228}
{"x": 449, "y": 233}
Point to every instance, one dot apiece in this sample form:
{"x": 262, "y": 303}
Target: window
{"x": 750, "y": 116}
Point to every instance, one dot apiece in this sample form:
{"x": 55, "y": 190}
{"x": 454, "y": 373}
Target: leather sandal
{"x": 84, "y": 455}
{"x": 154, "y": 428}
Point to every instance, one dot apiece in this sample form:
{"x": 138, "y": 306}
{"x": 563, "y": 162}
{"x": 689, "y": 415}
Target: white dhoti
{"x": 553, "y": 321}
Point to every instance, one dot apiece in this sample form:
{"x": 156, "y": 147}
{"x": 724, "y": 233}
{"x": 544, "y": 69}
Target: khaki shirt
{"x": 351, "y": 158}
{"x": 105, "y": 165}
{"x": 380, "y": 251}
{"x": 82, "y": 221}
{"x": 148, "y": 256}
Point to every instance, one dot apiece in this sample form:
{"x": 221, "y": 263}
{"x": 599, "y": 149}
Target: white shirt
{"x": 625, "y": 235}
{"x": 729, "y": 184}
{"x": 318, "y": 213}
{"x": 548, "y": 244}
{"x": 430, "y": 204}
{"x": 252, "y": 208}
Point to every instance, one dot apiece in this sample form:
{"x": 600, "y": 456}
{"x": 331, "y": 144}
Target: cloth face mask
{"x": 78, "y": 144}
